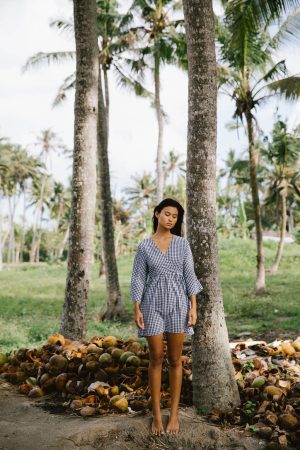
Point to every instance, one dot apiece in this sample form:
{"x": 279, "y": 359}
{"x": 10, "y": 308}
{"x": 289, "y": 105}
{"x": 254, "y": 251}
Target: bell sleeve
{"x": 139, "y": 275}
{"x": 193, "y": 285}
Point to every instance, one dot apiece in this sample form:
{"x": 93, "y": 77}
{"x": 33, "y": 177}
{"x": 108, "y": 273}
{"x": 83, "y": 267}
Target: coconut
{"x": 270, "y": 391}
{"x": 125, "y": 356}
{"x": 56, "y": 339}
{"x": 258, "y": 382}
{"x": 76, "y": 404}
{"x": 135, "y": 347}
{"x": 90, "y": 400}
{"x": 133, "y": 361}
{"x": 93, "y": 348}
{"x": 116, "y": 353}
{"x": 295, "y": 344}
{"x": 96, "y": 340}
{"x": 3, "y": 359}
{"x": 105, "y": 359}
{"x": 101, "y": 391}
{"x": 101, "y": 375}
{"x": 113, "y": 390}
{"x": 49, "y": 385}
{"x": 288, "y": 348}
{"x": 287, "y": 421}
{"x": 119, "y": 403}
{"x": 71, "y": 386}
{"x": 271, "y": 418}
{"x": 44, "y": 378}
{"x": 109, "y": 341}
{"x": 28, "y": 367}
{"x": 112, "y": 369}
{"x": 265, "y": 432}
{"x": 61, "y": 381}
{"x": 92, "y": 366}
{"x": 58, "y": 363}
{"x": 24, "y": 388}
{"x": 82, "y": 371}
{"x": 36, "y": 392}
{"x": 87, "y": 411}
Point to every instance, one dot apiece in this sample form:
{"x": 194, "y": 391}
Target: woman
{"x": 163, "y": 288}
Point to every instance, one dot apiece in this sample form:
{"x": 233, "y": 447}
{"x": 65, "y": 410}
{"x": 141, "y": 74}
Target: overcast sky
{"x": 26, "y": 98}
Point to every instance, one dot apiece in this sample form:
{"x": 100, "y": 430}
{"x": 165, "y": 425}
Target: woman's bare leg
{"x": 175, "y": 343}
{"x": 156, "y": 355}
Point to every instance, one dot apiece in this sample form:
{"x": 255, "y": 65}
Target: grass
{"x": 31, "y": 298}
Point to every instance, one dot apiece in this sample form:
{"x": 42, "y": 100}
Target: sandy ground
{"x": 24, "y": 426}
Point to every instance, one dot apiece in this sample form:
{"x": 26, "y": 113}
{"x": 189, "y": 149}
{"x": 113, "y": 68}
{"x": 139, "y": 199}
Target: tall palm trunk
{"x": 35, "y": 236}
{"x": 73, "y": 322}
{"x": 260, "y": 283}
{"x": 160, "y": 123}
{"x": 283, "y": 220}
{"x": 115, "y": 308}
{"x": 211, "y": 358}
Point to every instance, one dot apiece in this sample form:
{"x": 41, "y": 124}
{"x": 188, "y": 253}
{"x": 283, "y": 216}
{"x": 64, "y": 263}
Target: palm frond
{"x": 289, "y": 31}
{"x": 68, "y": 83}
{"x": 278, "y": 69}
{"x": 126, "y": 81}
{"x": 63, "y": 25}
{"x": 289, "y": 87}
{"x": 41, "y": 58}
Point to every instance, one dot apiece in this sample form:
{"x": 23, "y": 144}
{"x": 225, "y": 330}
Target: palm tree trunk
{"x": 115, "y": 308}
{"x": 73, "y": 322}
{"x": 283, "y": 219}
{"x": 63, "y": 243}
{"x": 159, "y": 116}
{"x": 260, "y": 284}
{"x": 211, "y": 358}
{"x": 35, "y": 236}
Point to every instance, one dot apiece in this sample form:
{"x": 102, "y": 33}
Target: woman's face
{"x": 168, "y": 216}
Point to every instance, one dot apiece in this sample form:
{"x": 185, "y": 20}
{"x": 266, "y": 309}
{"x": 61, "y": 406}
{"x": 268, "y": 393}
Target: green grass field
{"x": 31, "y": 299}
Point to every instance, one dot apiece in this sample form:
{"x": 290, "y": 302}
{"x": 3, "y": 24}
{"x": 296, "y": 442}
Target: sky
{"x": 26, "y": 98}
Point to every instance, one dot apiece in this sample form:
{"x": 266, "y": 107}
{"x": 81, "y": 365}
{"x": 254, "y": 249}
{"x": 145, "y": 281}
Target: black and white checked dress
{"x": 162, "y": 284}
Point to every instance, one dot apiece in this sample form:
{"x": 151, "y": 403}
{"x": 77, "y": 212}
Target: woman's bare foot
{"x": 157, "y": 427}
{"x": 173, "y": 425}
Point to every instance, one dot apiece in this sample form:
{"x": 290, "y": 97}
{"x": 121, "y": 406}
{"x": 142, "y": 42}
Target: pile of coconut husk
{"x": 108, "y": 375}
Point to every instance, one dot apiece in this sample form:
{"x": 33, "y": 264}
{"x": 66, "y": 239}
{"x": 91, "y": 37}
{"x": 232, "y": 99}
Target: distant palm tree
{"x": 282, "y": 154}
{"x": 250, "y": 77}
{"x": 47, "y": 142}
{"x": 141, "y": 197}
{"x": 173, "y": 165}
{"x": 161, "y": 40}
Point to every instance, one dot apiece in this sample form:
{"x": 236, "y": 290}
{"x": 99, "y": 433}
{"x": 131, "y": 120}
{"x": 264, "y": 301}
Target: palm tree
{"x": 172, "y": 165}
{"x": 141, "y": 198}
{"x": 161, "y": 41}
{"x": 251, "y": 76}
{"x": 47, "y": 142}
{"x": 73, "y": 321}
{"x": 210, "y": 346}
{"x": 283, "y": 154}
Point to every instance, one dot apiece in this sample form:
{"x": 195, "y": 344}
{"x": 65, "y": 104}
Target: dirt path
{"x": 24, "y": 426}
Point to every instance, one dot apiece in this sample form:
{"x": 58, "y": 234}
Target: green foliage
{"x": 32, "y": 298}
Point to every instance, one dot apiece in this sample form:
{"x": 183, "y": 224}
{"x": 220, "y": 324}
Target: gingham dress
{"x": 162, "y": 284}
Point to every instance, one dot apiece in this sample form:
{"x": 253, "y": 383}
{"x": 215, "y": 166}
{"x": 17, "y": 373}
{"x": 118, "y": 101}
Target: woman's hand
{"x": 138, "y": 317}
{"x": 192, "y": 317}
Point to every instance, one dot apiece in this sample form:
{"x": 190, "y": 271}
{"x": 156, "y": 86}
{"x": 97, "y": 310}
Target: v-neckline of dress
{"x": 164, "y": 254}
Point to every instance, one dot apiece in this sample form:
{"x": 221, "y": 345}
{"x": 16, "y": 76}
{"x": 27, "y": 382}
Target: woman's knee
{"x": 156, "y": 358}
{"x": 175, "y": 360}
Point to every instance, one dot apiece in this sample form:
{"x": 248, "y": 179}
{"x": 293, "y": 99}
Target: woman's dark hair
{"x": 169, "y": 202}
